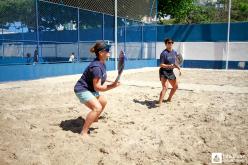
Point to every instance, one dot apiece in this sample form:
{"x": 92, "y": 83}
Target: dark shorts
{"x": 167, "y": 74}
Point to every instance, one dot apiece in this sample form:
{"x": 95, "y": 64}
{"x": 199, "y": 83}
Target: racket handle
{"x": 118, "y": 78}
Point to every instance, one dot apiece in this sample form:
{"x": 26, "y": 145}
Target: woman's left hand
{"x": 116, "y": 84}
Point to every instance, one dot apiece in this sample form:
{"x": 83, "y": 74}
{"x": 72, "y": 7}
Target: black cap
{"x": 104, "y": 46}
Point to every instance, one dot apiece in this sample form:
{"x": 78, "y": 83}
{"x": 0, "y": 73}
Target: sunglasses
{"x": 170, "y": 42}
{"x": 106, "y": 48}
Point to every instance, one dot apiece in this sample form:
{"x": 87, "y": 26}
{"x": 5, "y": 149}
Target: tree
{"x": 209, "y": 13}
{"x": 178, "y": 10}
{"x": 24, "y": 11}
{"x": 201, "y": 15}
{"x": 239, "y": 10}
{"x": 52, "y": 15}
{"x": 17, "y": 11}
{"x": 189, "y": 11}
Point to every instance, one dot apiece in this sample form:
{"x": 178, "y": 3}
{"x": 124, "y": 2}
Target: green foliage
{"x": 53, "y": 15}
{"x": 188, "y": 11}
{"x": 201, "y": 15}
{"x": 180, "y": 11}
{"x": 177, "y": 9}
{"x": 17, "y": 11}
{"x": 239, "y": 10}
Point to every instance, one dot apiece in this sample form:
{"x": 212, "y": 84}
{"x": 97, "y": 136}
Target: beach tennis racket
{"x": 121, "y": 64}
{"x": 179, "y": 60}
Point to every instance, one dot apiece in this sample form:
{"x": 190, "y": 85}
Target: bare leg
{"x": 174, "y": 85}
{"x": 163, "y": 91}
{"x": 103, "y": 102}
{"x": 96, "y": 109}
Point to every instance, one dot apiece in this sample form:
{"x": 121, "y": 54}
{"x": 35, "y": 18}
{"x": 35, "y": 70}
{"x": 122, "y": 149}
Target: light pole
{"x": 228, "y": 33}
{"x": 115, "y": 34}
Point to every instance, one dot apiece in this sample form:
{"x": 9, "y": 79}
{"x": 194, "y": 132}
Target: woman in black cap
{"x": 91, "y": 83}
{"x": 167, "y": 64}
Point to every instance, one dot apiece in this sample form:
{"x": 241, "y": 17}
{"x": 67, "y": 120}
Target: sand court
{"x": 40, "y": 120}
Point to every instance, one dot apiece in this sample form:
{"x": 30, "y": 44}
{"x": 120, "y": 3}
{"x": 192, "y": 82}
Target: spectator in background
{"x": 28, "y": 58}
{"x": 72, "y": 57}
{"x": 36, "y": 55}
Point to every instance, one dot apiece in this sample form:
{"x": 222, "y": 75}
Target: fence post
{"x": 22, "y": 42}
{"x": 228, "y": 33}
{"x": 156, "y": 40}
{"x": 78, "y": 36}
{"x": 37, "y": 28}
{"x": 125, "y": 34}
{"x": 103, "y": 27}
{"x": 142, "y": 44}
{"x": 116, "y": 35}
{"x": 2, "y": 43}
{"x": 156, "y": 29}
{"x": 56, "y": 51}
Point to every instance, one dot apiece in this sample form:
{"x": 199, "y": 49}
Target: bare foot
{"x": 158, "y": 104}
{"x": 84, "y": 134}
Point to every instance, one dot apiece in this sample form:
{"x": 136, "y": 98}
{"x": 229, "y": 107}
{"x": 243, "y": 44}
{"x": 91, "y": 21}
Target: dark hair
{"x": 99, "y": 46}
{"x": 28, "y": 55}
{"x": 168, "y": 40}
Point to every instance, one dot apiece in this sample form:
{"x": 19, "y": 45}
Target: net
{"x": 131, "y": 9}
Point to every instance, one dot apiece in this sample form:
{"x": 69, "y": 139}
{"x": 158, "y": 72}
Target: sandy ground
{"x": 40, "y": 121}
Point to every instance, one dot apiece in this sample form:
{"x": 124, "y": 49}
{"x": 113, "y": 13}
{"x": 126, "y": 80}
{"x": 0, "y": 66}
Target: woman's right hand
{"x": 167, "y": 66}
{"x": 170, "y": 66}
{"x": 115, "y": 84}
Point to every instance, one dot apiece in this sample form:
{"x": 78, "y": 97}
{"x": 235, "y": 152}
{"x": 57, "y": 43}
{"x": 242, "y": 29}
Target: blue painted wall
{"x": 180, "y": 33}
{"x": 191, "y": 33}
{"x": 205, "y": 64}
{"x": 203, "y": 32}
{"x": 211, "y": 64}
{"x": 29, "y": 72}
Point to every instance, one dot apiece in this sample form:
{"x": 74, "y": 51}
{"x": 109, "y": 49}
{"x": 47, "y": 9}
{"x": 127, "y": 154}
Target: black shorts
{"x": 167, "y": 74}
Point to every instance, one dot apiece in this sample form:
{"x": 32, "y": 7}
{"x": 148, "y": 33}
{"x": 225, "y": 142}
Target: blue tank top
{"x": 168, "y": 57}
{"x": 96, "y": 69}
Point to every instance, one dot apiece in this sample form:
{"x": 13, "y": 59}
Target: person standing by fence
{"x": 36, "y": 56}
{"x": 72, "y": 57}
{"x": 28, "y": 58}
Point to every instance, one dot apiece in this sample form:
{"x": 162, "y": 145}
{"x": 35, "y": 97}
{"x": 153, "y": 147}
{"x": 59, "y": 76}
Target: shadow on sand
{"x": 149, "y": 103}
{"x": 74, "y": 125}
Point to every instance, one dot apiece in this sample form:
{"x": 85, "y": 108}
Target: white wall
{"x": 238, "y": 51}
{"x": 208, "y": 50}
{"x": 189, "y": 50}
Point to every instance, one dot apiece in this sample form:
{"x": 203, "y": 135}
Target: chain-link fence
{"x": 131, "y": 9}
{"x": 57, "y": 28}
{"x": 17, "y": 24}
